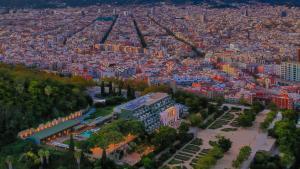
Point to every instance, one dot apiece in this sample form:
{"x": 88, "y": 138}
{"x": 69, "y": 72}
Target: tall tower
{"x": 246, "y": 12}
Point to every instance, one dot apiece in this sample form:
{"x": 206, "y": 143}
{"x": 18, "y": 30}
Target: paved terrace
{"x": 253, "y": 136}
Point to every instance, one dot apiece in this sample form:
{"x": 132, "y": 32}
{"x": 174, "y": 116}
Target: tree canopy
{"x": 35, "y": 97}
{"x": 164, "y": 137}
{"x": 115, "y": 132}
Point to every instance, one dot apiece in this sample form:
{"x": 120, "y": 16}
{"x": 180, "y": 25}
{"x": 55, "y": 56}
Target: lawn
{"x": 205, "y": 151}
{"x": 181, "y": 158}
{"x": 219, "y": 123}
{"x": 102, "y": 111}
{"x": 228, "y": 116}
{"x": 192, "y": 147}
{"x": 174, "y": 161}
{"x": 189, "y": 151}
{"x": 197, "y": 142}
{"x": 184, "y": 154}
{"x": 216, "y": 125}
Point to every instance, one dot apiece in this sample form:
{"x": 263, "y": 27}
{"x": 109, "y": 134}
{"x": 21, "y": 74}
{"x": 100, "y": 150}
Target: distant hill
{"x": 63, "y": 3}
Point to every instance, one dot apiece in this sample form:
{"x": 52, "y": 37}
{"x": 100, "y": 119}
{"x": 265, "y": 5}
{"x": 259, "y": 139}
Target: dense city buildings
{"x": 159, "y": 44}
{"x": 192, "y": 86}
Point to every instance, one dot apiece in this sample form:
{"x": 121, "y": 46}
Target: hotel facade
{"x": 154, "y": 110}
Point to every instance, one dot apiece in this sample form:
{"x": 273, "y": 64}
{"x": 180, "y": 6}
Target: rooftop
{"x": 145, "y": 100}
{"x": 55, "y": 129}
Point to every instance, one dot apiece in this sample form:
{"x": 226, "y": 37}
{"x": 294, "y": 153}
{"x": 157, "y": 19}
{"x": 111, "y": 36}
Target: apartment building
{"x": 290, "y": 71}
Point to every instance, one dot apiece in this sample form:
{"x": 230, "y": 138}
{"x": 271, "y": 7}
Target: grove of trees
{"x": 113, "y": 133}
{"x": 29, "y": 97}
{"x": 288, "y": 140}
{"x": 248, "y": 117}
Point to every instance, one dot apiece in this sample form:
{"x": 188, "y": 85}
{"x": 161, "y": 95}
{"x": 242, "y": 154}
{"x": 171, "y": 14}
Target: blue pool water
{"x": 86, "y": 134}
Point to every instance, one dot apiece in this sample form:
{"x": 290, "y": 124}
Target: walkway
{"x": 253, "y": 137}
{"x": 238, "y": 106}
{"x": 185, "y": 156}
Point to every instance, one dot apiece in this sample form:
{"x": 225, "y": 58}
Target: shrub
{"x": 265, "y": 160}
{"x": 268, "y": 120}
{"x": 224, "y": 143}
{"x": 242, "y": 156}
{"x": 246, "y": 119}
{"x": 210, "y": 159}
{"x": 225, "y": 108}
{"x": 195, "y": 119}
{"x": 148, "y": 163}
{"x": 229, "y": 129}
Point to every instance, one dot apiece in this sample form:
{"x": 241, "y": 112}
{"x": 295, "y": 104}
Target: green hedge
{"x": 210, "y": 159}
{"x": 268, "y": 120}
{"x": 242, "y": 156}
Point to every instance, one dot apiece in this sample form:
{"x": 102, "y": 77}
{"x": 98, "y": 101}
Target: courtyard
{"x": 226, "y": 125}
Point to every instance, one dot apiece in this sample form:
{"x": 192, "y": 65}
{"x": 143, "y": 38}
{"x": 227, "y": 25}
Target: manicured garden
{"x": 224, "y": 120}
{"x": 197, "y": 157}
{"x": 211, "y": 156}
{"x": 174, "y": 161}
{"x": 192, "y": 147}
{"x": 181, "y": 157}
{"x": 187, "y": 153}
{"x": 197, "y": 141}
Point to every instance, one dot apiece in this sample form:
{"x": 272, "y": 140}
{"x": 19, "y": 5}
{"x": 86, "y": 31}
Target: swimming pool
{"x": 86, "y": 134}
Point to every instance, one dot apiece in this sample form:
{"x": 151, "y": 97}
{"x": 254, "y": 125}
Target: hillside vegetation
{"x": 30, "y": 97}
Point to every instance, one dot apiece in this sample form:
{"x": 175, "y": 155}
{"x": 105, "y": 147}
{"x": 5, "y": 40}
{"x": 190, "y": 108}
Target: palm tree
{"x": 30, "y": 159}
{"x": 9, "y": 160}
{"x": 77, "y": 156}
{"x": 41, "y": 154}
{"x": 47, "y": 155}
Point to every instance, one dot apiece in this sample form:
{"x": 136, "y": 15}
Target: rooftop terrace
{"x": 142, "y": 101}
